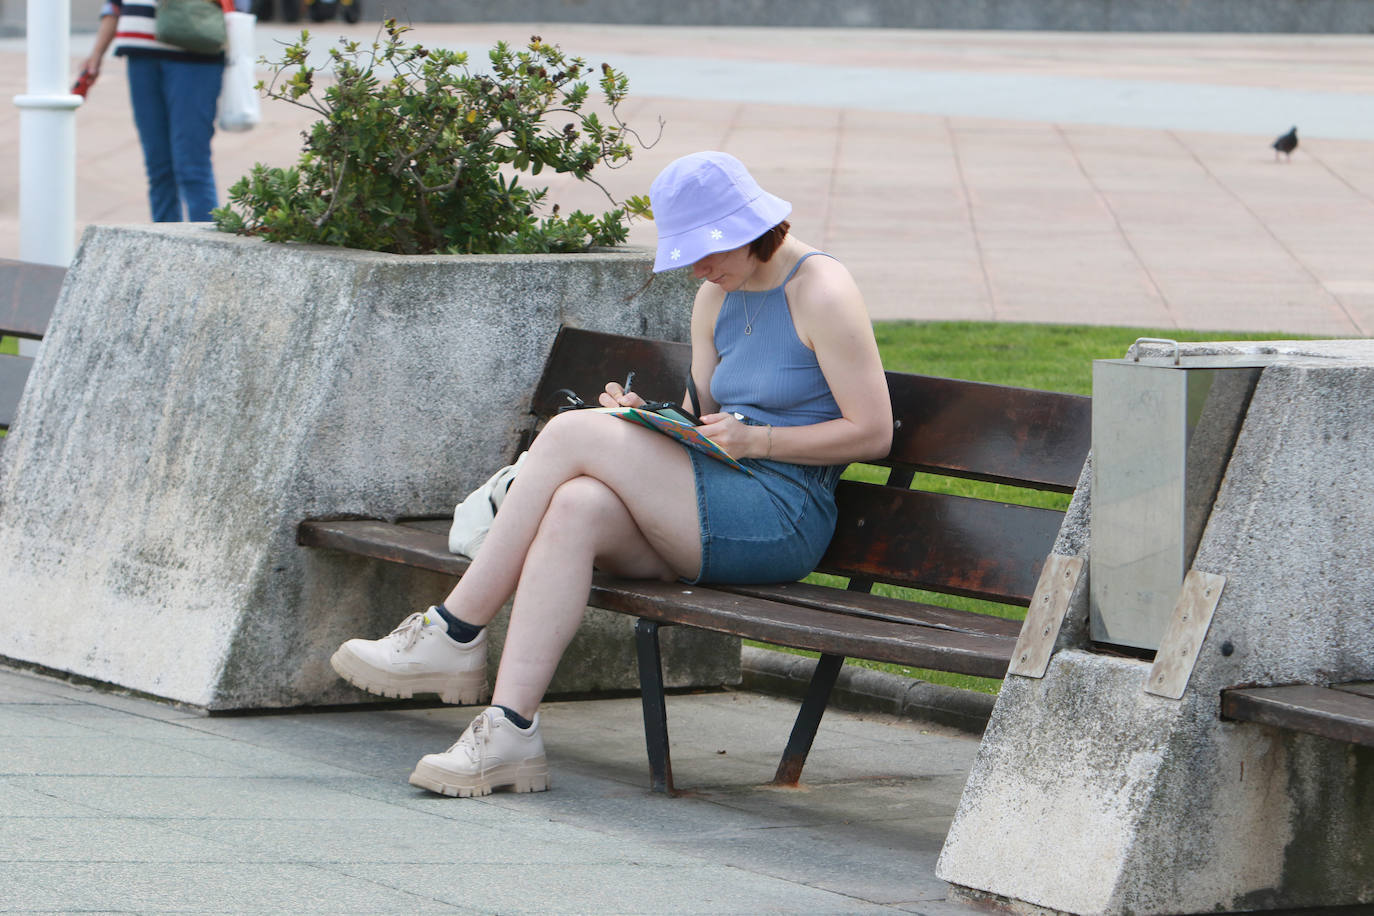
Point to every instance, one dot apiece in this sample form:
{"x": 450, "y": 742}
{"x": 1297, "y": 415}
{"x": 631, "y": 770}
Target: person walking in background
{"x": 174, "y": 94}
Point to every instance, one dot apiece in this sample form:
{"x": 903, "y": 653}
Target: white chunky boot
{"x": 492, "y": 753}
{"x": 417, "y": 657}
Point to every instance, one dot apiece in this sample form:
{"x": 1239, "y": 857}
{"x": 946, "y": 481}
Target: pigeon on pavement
{"x": 1286, "y": 144}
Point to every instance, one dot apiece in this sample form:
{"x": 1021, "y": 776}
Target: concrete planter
{"x": 200, "y": 393}
{"x": 1092, "y": 796}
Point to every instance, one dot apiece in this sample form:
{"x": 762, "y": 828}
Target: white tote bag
{"x": 473, "y": 516}
{"x": 239, "y": 107}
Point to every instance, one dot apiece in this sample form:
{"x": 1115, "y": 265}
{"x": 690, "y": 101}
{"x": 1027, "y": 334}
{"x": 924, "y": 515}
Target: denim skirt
{"x": 771, "y": 527}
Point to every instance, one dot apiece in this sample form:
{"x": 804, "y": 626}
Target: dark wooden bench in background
{"x": 28, "y": 293}
{"x": 1341, "y": 712}
{"x": 887, "y": 533}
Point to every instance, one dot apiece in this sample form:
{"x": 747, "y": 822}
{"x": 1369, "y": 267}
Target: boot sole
{"x": 466, "y": 688}
{"x": 529, "y": 776}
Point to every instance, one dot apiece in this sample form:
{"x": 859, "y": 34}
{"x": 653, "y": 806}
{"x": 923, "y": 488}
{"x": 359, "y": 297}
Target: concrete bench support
{"x": 1091, "y": 796}
{"x": 199, "y": 394}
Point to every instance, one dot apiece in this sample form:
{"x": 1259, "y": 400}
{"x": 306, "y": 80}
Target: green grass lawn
{"x": 8, "y": 345}
{"x": 1047, "y": 356}
{"x": 1055, "y": 357}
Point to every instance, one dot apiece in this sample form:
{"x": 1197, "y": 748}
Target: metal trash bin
{"x": 1163, "y": 431}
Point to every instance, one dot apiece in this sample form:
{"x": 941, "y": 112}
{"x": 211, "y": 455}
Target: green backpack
{"x": 193, "y": 25}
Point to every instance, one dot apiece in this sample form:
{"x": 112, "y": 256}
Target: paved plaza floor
{"x": 117, "y": 804}
{"x": 1107, "y": 179}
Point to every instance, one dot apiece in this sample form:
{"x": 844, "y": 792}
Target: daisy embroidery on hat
{"x": 708, "y": 202}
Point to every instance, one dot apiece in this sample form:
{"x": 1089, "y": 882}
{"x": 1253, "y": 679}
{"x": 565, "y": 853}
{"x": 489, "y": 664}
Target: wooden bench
{"x": 28, "y": 293}
{"x": 887, "y": 533}
{"x": 1341, "y": 712}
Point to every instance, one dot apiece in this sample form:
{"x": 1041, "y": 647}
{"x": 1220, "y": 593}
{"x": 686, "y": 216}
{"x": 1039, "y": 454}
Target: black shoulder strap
{"x": 692, "y": 393}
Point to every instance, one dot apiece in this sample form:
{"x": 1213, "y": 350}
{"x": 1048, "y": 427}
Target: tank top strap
{"x": 800, "y": 260}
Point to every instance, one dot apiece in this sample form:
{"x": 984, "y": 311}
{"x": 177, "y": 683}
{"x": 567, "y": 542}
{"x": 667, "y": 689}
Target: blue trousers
{"x": 174, "y": 109}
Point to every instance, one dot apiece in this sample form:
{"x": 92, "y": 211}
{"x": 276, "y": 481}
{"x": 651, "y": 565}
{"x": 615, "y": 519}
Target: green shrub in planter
{"x": 415, "y": 153}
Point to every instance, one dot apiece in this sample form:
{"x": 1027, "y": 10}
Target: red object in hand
{"x": 83, "y": 83}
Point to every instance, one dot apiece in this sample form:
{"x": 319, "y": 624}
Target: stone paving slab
{"x": 115, "y": 803}
{"x": 1011, "y": 176}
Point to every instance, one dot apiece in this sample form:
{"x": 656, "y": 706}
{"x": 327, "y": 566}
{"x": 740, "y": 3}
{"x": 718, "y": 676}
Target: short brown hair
{"x": 767, "y": 245}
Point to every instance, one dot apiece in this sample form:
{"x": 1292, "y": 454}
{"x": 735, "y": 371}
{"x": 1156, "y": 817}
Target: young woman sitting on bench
{"x": 790, "y": 383}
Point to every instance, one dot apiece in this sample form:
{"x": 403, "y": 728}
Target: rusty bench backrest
{"x": 584, "y": 361}
{"x": 978, "y": 548}
{"x": 888, "y": 532}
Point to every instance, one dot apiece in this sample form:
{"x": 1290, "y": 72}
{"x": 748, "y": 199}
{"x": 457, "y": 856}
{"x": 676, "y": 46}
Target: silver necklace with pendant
{"x": 748, "y": 321}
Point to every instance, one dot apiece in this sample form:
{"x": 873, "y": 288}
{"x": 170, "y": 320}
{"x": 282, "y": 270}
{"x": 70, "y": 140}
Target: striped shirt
{"x": 136, "y": 29}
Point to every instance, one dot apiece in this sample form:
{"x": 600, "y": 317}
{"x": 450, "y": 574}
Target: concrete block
{"x": 1160, "y": 806}
{"x": 200, "y": 393}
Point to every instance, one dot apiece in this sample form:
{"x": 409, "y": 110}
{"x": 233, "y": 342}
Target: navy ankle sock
{"x": 520, "y": 721}
{"x": 458, "y": 629}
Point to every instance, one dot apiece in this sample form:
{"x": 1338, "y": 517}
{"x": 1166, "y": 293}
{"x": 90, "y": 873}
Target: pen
{"x": 629, "y": 380}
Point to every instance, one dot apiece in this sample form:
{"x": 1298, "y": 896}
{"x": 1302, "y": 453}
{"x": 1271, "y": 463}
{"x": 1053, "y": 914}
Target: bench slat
{"x": 1363, "y": 688}
{"x": 436, "y": 525}
{"x": 579, "y": 361}
{"x": 408, "y": 545}
{"x": 806, "y": 628}
{"x": 28, "y": 293}
{"x": 1331, "y": 712}
{"x": 14, "y": 371}
{"x": 997, "y": 433}
{"x": 968, "y": 649}
{"x": 880, "y": 607}
{"x": 942, "y": 543}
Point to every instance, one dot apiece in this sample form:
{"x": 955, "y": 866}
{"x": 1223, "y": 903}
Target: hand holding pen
{"x": 618, "y": 395}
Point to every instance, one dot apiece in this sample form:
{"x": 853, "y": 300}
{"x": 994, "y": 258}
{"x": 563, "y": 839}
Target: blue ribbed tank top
{"x": 768, "y": 375}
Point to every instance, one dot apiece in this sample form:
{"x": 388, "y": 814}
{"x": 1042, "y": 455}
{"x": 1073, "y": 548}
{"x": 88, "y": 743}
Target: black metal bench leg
{"x": 808, "y": 720}
{"x": 655, "y": 706}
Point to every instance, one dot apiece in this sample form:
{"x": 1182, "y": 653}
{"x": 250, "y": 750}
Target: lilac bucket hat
{"x": 708, "y": 202}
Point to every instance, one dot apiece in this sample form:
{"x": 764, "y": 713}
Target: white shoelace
{"x": 473, "y": 740}
{"x": 409, "y": 630}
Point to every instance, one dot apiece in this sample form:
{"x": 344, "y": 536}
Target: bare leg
{"x": 586, "y": 525}
{"x": 633, "y": 510}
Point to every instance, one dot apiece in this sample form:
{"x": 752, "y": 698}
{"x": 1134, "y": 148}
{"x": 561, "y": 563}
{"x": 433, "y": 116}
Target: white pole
{"x": 47, "y": 139}
{"x": 47, "y": 143}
